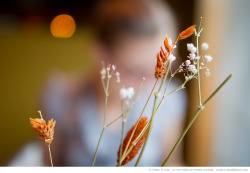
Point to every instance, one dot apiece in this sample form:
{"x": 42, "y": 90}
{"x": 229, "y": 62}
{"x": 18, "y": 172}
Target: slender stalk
{"x": 50, "y": 156}
{"x": 150, "y": 128}
{"x": 198, "y": 63}
{"x": 194, "y": 118}
{"x": 105, "y": 117}
{"x": 134, "y": 98}
{"x": 140, "y": 117}
{"x": 124, "y": 119}
{"x": 93, "y": 161}
{"x": 120, "y": 154}
{"x": 164, "y": 94}
{"x": 114, "y": 121}
{"x": 153, "y": 113}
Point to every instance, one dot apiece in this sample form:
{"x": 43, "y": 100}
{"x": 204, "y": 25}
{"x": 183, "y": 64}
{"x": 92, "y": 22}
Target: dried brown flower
{"x": 160, "y": 68}
{"x": 187, "y": 33}
{"x": 44, "y": 131}
{"x": 131, "y": 155}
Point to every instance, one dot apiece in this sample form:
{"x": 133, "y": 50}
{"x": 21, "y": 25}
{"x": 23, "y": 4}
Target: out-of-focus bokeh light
{"x": 63, "y": 26}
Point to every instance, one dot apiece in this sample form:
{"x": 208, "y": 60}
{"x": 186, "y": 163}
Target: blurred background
{"x": 32, "y": 46}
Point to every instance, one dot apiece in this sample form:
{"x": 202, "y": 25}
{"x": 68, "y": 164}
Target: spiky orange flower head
{"x": 44, "y": 131}
{"x": 131, "y": 155}
{"x": 162, "y": 58}
{"x": 163, "y": 55}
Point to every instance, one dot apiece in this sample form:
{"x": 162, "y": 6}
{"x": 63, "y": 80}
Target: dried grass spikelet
{"x": 163, "y": 55}
{"x": 131, "y": 155}
{"x": 187, "y": 33}
{"x": 44, "y": 131}
{"x": 160, "y": 68}
{"x": 168, "y": 44}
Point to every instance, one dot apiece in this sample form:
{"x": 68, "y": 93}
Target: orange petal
{"x": 187, "y": 33}
{"x": 168, "y": 44}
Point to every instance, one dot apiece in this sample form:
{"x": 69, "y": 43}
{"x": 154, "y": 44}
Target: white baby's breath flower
{"x": 204, "y": 46}
{"x": 103, "y": 73}
{"x": 192, "y": 56}
{"x": 123, "y": 93}
{"x": 113, "y": 67}
{"x": 108, "y": 68}
{"x": 171, "y": 58}
{"x": 195, "y": 71}
{"x": 126, "y": 93}
{"x": 117, "y": 73}
{"x": 130, "y": 92}
{"x": 191, "y": 48}
{"x": 192, "y": 68}
{"x": 187, "y": 62}
{"x": 208, "y": 58}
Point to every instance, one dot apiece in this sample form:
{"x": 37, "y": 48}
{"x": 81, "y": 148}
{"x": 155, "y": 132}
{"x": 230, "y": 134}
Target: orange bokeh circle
{"x": 63, "y": 26}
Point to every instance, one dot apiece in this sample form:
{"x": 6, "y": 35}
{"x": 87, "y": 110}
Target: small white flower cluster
{"x": 206, "y": 59}
{"x": 171, "y": 58}
{"x": 126, "y": 93}
{"x": 109, "y": 71}
{"x": 190, "y": 65}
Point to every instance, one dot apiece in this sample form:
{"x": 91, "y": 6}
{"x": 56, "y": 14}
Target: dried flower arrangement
{"x": 138, "y": 136}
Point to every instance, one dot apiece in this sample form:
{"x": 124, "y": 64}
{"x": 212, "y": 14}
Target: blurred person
{"x": 129, "y": 35}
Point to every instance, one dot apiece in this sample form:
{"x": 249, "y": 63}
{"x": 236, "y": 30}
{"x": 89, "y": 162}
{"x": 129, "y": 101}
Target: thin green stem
{"x": 124, "y": 119}
{"x": 93, "y": 161}
{"x": 200, "y": 108}
{"x": 165, "y": 76}
{"x": 150, "y": 128}
{"x": 105, "y": 117}
{"x": 50, "y": 156}
{"x": 153, "y": 113}
{"x": 121, "y": 147}
{"x": 134, "y": 98}
{"x": 140, "y": 117}
{"x": 198, "y": 63}
{"x": 114, "y": 121}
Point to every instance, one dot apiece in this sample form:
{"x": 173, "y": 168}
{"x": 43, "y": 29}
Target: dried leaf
{"x": 131, "y": 155}
{"x": 187, "y": 33}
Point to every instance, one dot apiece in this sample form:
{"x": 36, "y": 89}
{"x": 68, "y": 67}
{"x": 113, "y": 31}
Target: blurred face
{"x": 136, "y": 55}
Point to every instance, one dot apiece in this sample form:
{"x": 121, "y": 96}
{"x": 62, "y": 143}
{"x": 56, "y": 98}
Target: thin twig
{"x": 50, "y": 156}
{"x": 140, "y": 117}
{"x": 153, "y": 113}
{"x": 194, "y": 118}
{"x": 198, "y": 63}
